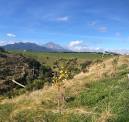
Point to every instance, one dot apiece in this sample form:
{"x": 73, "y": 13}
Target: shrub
{"x": 85, "y": 65}
{"x": 36, "y": 84}
{"x": 71, "y": 65}
{"x": 46, "y": 74}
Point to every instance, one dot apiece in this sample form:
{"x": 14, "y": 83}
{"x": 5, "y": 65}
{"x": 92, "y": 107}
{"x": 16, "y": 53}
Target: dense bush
{"x": 71, "y": 65}
{"x": 85, "y": 65}
{"x": 45, "y": 76}
{"x": 46, "y": 73}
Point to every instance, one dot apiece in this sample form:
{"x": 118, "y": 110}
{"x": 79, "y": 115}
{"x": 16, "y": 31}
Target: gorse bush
{"x": 36, "y": 84}
{"x": 46, "y": 73}
{"x": 45, "y": 76}
{"x": 71, "y": 65}
{"x": 85, "y": 65}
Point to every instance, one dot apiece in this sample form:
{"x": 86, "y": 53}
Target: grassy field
{"x": 49, "y": 58}
{"x": 90, "y": 97}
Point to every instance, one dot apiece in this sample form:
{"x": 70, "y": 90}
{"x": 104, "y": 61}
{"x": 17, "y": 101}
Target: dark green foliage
{"x": 85, "y": 65}
{"x": 69, "y": 99}
{"x": 45, "y": 76}
{"x": 46, "y": 73}
{"x": 2, "y": 49}
{"x": 16, "y": 67}
{"x": 36, "y": 84}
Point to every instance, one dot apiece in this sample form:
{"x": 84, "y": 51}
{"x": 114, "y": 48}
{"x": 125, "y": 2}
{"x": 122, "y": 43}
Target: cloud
{"x": 75, "y": 43}
{"x": 102, "y": 29}
{"x": 78, "y": 46}
{"x": 81, "y": 46}
{"x": 63, "y": 18}
{"x": 11, "y": 35}
{"x": 5, "y": 42}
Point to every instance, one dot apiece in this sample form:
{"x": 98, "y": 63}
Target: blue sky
{"x": 77, "y": 24}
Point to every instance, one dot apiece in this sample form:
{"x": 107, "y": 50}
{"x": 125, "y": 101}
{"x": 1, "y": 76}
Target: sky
{"x": 75, "y": 24}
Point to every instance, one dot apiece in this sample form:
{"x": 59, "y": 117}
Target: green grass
{"x": 5, "y": 112}
{"x": 42, "y": 116}
{"x": 110, "y": 94}
{"x": 49, "y": 58}
{"x": 105, "y": 95}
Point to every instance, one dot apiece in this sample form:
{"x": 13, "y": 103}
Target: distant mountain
{"x": 26, "y": 46}
{"x": 55, "y": 47}
{"x": 48, "y": 47}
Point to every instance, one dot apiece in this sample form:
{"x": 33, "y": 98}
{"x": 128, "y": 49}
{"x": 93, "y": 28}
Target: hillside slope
{"x": 16, "y": 67}
{"x": 96, "y": 96}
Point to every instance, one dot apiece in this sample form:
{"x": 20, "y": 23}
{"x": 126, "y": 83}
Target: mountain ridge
{"x": 55, "y": 46}
{"x": 28, "y": 46}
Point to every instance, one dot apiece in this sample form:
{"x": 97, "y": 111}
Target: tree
{"x": 58, "y": 80}
{"x": 63, "y": 70}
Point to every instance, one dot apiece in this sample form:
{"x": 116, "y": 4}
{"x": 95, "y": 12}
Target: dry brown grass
{"x": 105, "y": 115}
